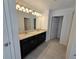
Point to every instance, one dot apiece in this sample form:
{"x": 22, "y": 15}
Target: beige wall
{"x": 42, "y": 21}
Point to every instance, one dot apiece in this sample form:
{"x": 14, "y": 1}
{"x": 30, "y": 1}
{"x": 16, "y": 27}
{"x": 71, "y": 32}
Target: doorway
{"x": 56, "y": 25}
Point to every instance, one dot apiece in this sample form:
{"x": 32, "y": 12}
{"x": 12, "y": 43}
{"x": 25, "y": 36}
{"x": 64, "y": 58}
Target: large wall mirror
{"x": 29, "y": 24}
{"x": 26, "y": 22}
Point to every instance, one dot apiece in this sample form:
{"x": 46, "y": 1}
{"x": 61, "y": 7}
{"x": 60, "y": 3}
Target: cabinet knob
{"x": 7, "y": 44}
{"x": 74, "y": 54}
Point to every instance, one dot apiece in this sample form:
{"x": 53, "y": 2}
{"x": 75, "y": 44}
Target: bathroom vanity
{"x": 31, "y": 32}
{"x": 29, "y": 41}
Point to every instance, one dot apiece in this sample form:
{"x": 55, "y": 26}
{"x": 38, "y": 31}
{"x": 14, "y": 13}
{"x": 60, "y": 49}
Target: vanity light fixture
{"x": 22, "y": 8}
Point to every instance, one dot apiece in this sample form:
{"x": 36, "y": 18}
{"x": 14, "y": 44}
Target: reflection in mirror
{"x": 26, "y": 22}
{"x": 29, "y": 24}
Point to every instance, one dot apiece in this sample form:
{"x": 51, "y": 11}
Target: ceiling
{"x": 42, "y": 5}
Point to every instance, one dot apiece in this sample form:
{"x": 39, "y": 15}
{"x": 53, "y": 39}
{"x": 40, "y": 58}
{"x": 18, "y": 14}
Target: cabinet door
{"x": 25, "y": 45}
{"x": 42, "y": 37}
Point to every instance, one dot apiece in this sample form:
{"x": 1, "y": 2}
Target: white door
{"x": 11, "y": 39}
{"x": 56, "y": 24}
{"x": 54, "y": 27}
{"x": 8, "y": 48}
{"x": 6, "y": 42}
{"x": 12, "y": 30}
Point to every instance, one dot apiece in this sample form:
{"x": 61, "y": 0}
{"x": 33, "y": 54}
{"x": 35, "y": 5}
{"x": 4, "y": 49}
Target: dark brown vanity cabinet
{"x": 29, "y": 44}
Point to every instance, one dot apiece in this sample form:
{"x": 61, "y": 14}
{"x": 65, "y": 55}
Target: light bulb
{"x": 27, "y": 11}
{"x": 33, "y": 13}
{"x": 22, "y": 8}
{"x": 30, "y": 10}
{"x": 17, "y": 6}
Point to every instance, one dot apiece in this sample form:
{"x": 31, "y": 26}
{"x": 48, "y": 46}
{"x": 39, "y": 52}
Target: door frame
{"x": 53, "y": 17}
{"x": 11, "y": 20}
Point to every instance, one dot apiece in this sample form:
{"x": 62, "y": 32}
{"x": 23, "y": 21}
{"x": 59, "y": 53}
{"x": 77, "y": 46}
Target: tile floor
{"x": 48, "y": 50}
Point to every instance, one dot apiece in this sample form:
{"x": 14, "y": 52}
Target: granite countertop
{"x": 29, "y": 34}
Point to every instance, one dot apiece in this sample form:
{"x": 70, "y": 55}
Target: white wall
{"x": 66, "y": 24}
{"x": 20, "y": 16}
{"x": 71, "y": 48}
